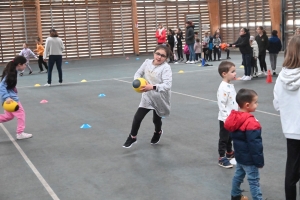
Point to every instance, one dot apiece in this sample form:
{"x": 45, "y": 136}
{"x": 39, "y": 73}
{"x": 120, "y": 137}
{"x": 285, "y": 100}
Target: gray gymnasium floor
{"x": 76, "y": 164}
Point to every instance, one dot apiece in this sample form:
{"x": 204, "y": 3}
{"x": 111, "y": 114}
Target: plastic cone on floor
{"x": 181, "y": 72}
{"x": 269, "y": 77}
{"x": 83, "y": 81}
{"x": 37, "y": 85}
{"x": 127, "y": 58}
{"x": 137, "y": 58}
{"x": 66, "y": 62}
{"x": 242, "y": 66}
{"x": 44, "y": 101}
{"x": 85, "y": 126}
{"x": 102, "y": 95}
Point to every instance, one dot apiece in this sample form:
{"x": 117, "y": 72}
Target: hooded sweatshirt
{"x": 246, "y": 136}
{"x": 287, "y": 101}
{"x": 244, "y": 44}
{"x": 274, "y": 45}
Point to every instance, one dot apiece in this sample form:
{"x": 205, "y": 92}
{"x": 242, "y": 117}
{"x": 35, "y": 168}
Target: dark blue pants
{"x": 55, "y": 59}
{"x": 247, "y": 63}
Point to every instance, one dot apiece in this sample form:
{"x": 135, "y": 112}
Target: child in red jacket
{"x": 161, "y": 34}
{"x": 246, "y": 136}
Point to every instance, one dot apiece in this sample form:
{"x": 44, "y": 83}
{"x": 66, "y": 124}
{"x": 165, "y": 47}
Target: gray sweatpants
{"x": 28, "y": 66}
{"x": 273, "y": 60}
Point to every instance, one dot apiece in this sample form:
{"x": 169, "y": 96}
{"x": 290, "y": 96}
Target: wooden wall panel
{"x": 247, "y": 13}
{"x": 292, "y": 17}
{"x": 170, "y": 13}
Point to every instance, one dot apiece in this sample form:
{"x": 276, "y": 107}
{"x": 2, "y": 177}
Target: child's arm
{"x": 141, "y": 71}
{"x": 167, "y": 80}
{"x": 21, "y": 53}
{"x": 3, "y": 90}
{"x": 32, "y": 54}
{"x": 62, "y": 46}
{"x": 254, "y": 140}
{"x": 222, "y": 101}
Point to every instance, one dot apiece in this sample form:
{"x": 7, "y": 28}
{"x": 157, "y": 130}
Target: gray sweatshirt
{"x": 53, "y": 46}
{"x": 216, "y": 41}
{"x": 161, "y": 77}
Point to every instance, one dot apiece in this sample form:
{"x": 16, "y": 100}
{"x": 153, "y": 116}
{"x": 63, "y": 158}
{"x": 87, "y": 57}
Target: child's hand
{"x": 8, "y": 100}
{"x": 147, "y": 88}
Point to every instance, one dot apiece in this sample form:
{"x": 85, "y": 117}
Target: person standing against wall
{"x": 274, "y": 48}
{"x": 53, "y": 48}
{"x": 263, "y": 43}
{"x": 179, "y": 36}
{"x": 190, "y": 41}
{"x": 161, "y": 34}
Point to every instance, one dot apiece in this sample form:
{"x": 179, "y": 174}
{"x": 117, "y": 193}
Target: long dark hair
{"x": 10, "y": 73}
{"x": 165, "y": 48}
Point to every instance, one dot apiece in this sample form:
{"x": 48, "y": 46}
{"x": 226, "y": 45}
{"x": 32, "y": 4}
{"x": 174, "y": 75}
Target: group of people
{"x": 53, "y": 49}
{"x": 8, "y": 91}
{"x": 253, "y": 49}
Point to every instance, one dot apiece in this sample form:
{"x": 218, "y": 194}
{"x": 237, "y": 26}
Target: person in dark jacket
{"x": 274, "y": 48}
{"x": 245, "y": 132}
{"x": 171, "y": 42}
{"x": 243, "y": 43}
{"x": 190, "y": 41}
{"x": 179, "y": 36}
{"x": 263, "y": 43}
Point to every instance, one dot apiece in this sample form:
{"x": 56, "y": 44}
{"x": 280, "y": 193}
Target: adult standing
{"x": 161, "y": 34}
{"x": 190, "y": 41}
{"x": 53, "y": 48}
{"x": 243, "y": 43}
{"x": 274, "y": 48}
{"x": 263, "y": 43}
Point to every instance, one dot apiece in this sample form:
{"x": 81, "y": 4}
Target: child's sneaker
{"x": 129, "y": 142}
{"x": 47, "y": 85}
{"x": 224, "y": 162}
{"x": 30, "y": 72}
{"x": 241, "y": 197}
{"x": 21, "y": 74}
{"x": 23, "y": 135}
{"x": 156, "y": 137}
{"x": 41, "y": 71}
{"x": 188, "y": 62}
{"x": 230, "y": 155}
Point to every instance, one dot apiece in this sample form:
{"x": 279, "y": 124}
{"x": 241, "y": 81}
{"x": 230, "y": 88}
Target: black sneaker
{"x": 21, "y": 74}
{"x": 228, "y": 58}
{"x": 156, "y": 137}
{"x": 274, "y": 74}
{"x": 229, "y": 156}
{"x": 129, "y": 142}
{"x": 30, "y": 72}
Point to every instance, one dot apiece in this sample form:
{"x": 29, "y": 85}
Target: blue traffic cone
{"x": 85, "y": 126}
{"x": 101, "y": 95}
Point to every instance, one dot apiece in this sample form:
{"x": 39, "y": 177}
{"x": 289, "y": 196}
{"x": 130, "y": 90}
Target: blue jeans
{"x": 253, "y": 179}
{"x": 192, "y": 52}
{"x": 55, "y": 59}
{"x": 247, "y": 63}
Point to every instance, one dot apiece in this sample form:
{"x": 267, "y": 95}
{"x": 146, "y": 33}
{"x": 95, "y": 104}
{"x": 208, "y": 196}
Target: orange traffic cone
{"x": 269, "y": 77}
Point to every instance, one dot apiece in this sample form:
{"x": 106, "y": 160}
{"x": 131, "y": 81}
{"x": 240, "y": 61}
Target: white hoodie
{"x": 287, "y": 101}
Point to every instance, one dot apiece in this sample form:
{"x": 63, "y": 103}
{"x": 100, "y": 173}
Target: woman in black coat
{"x": 243, "y": 43}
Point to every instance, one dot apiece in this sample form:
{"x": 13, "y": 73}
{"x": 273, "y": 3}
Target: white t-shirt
{"x": 226, "y": 100}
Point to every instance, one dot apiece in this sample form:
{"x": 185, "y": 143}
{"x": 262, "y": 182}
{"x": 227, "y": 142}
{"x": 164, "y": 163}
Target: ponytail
{"x": 10, "y": 71}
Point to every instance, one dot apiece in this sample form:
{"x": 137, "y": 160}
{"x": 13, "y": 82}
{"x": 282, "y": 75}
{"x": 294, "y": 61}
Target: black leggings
{"x": 292, "y": 169}
{"x": 179, "y": 50}
{"x": 138, "y": 118}
{"x": 41, "y": 61}
{"x": 262, "y": 62}
{"x": 225, "y": 141}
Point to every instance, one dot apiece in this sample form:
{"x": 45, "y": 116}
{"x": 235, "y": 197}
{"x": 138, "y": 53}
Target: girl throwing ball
{"x": 9, "y": 93}
{"x": 156, "y": 94}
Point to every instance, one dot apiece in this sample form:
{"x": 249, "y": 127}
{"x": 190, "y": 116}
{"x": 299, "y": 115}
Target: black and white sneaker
{"x": 30, "y": 72}
{"x": 156, "y": 137}
{"x": 21, "y": 74}
{"x": 129, "y": 142}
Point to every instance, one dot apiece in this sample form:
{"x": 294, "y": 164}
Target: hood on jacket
{"x": 290, "y": 78}
{"x": 238, "y": 121}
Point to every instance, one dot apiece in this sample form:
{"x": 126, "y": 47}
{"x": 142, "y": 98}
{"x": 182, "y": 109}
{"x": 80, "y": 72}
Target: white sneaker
{"x": 47, "y": 85}
{"x": 175, "y": 63}
{"x": 247, "y": 78}
{"x": 23, "y": 136}
{"x": 259, "y": 73}
{"x": 192, "y": 62}
{"x": 266, "y": 73}
{"x": 243, "y": 77}
{"x": 254, "y": 75}
{"x": 188, "y": 62}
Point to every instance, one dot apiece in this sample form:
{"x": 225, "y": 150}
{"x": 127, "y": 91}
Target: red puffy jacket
{"x": 161, "y": 38}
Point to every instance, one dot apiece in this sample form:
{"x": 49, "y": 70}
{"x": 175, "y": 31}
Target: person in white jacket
{"x": 254, "y": 46}
{"x": 287, "y": 102}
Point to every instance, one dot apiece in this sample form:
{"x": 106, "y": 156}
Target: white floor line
{"x": 30, "y": 164}
{"x": 214, "y": 101}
